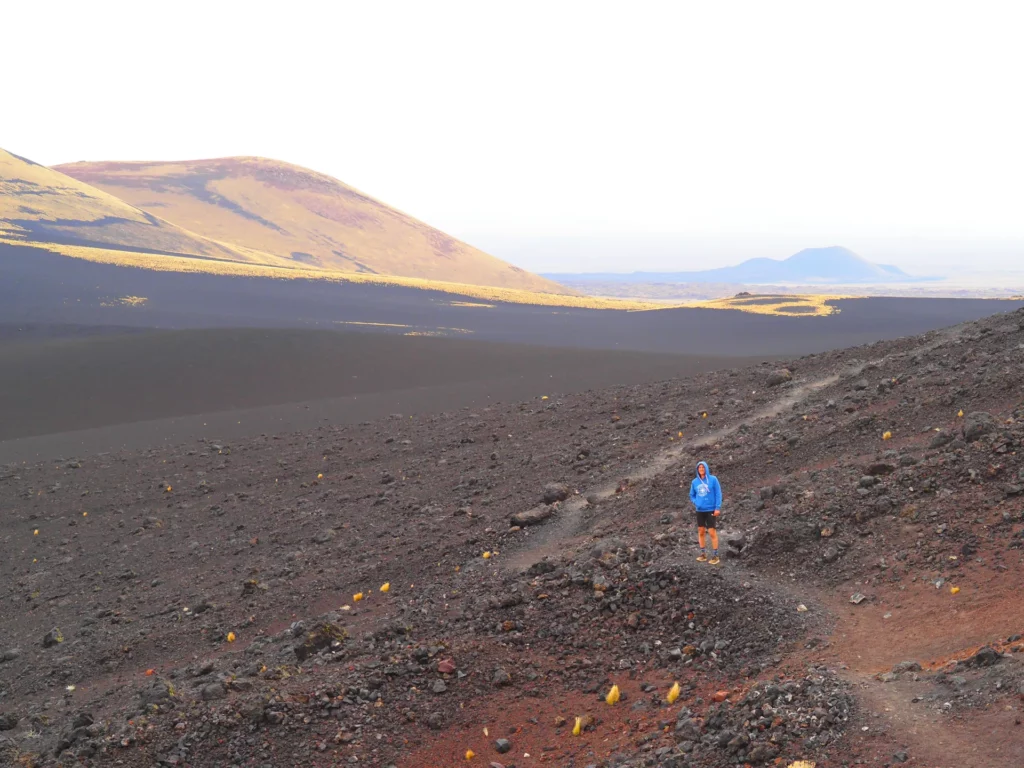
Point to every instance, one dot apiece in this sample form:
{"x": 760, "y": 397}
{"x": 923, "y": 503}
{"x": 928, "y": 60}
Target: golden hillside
{"x": 312, "y": 220}
{"x": 41, "y": 205}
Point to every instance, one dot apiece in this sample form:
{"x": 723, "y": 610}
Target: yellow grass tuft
{"x": 780, "y": 305}
{"x": 125, "y": 301}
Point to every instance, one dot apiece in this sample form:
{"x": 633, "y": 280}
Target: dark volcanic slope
{"x": 40, "y": 287}
{"x": 196, "y": 604}
{"x": 82, "y": 383}
{"x": 299, "y": 216}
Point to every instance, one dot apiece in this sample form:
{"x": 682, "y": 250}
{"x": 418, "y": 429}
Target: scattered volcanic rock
{"x": 534, "y": 516}
{"x": 979, "y": 424}
{"x": 261, "y": 645}
{"x": 555, "y": 492}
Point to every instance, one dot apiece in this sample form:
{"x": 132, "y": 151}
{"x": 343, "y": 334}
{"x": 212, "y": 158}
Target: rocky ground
{"x": 468, "y": 588}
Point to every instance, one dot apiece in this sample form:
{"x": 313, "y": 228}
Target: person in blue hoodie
{"x": 706, "y": 495}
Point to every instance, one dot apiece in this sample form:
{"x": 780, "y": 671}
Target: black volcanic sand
{"x": 242, "y": 382}
{"x": 195, "y": 604}
{"x": 37, "y": 287}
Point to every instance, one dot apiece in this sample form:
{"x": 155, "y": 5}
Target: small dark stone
{"x": 319, "y": 639}
{"x": 213, "y": 692}
{"x": 52, "y": 638}
{"x": 540, "y": 568}
{"x": 986, "y": 657}
{"x": 979, "y": 424}
{"x": 155, "y": 693}
{"x": 534, "y": 516}
{"x": 555, "y": 492}
{"x": 502, "y": 746}
{"x": 761, "y": 754}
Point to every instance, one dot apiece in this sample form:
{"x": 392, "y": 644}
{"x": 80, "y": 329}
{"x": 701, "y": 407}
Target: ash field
{"x": 97, "y": 358}
{"x": 216, "y": 597}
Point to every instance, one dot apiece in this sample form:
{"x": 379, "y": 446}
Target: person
{"x": 706, "y": 495}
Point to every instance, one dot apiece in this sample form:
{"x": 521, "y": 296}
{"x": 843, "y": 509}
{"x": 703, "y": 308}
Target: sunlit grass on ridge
{"x": 786, "y": 305}
{"x": 186, "y": 264}
{"x": 777, "y": 305}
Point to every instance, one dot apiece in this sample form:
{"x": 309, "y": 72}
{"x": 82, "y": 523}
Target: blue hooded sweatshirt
{"x": 706, "y": 494}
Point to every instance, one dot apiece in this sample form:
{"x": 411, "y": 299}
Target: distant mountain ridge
{"x": 833, "y": 265}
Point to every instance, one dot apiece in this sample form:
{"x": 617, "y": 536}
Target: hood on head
{"x": 707, "y": 471}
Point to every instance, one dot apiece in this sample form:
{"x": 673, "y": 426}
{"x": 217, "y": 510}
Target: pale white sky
{"x": 811, "y": 122}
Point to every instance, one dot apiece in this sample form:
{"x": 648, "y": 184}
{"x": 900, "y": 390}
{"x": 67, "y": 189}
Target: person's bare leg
{"x": 701, "y": 530}
{"x": 714, "y": 539}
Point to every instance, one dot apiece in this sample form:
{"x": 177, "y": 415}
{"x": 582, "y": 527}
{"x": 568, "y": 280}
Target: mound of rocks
{"x": 793, "y": 718}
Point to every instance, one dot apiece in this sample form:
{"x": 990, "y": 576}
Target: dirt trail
{"x": 936, "y": 740}
{"x": 864, "y": 646}
{"x": 572, "y": 521}
{"x": 928, "y": 626}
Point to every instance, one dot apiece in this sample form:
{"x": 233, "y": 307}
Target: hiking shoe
{"x": 702, "y": 558}
{"x": 714, "y": 560}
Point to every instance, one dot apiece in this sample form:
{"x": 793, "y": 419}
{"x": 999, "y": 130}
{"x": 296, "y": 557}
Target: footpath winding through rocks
{"x": 569, "y": 520}
{"x": 934, "y": 738}
{"x": 323, "y": 598}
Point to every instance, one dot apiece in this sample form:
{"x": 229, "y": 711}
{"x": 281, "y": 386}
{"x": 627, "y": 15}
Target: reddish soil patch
{"x": 540, "y": 729}
{"x": 926, "y": 624}
{"x": 991, "y": 737}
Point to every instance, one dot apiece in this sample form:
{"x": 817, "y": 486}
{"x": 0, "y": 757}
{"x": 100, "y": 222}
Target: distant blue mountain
{"x": 834, "y": 265}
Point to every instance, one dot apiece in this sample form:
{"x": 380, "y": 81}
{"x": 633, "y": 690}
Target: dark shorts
{"x": 706, "y": 519}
